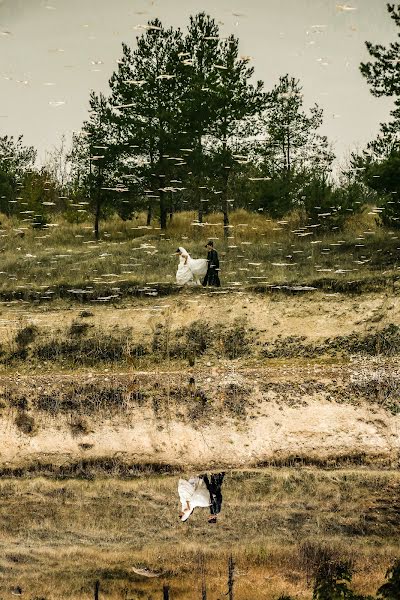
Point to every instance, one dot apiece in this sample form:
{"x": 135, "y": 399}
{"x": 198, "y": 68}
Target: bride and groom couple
{"x": 197, "y": 271}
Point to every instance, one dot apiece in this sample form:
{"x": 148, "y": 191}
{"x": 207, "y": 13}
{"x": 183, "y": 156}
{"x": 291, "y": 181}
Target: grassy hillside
{"x": 258, "y": 251}
{"x": 58, "y": 537}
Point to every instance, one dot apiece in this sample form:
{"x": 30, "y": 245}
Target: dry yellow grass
{"x": 257, "y": 250}
{"x": 58, "y": 537}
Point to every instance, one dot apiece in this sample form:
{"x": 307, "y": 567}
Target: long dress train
{"x": 190, "y": 270}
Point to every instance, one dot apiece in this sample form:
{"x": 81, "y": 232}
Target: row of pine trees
{"x": 185, "y": 126}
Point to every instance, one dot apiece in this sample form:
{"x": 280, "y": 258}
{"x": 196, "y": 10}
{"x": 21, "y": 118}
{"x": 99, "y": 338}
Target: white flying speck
{"x": 345, "y": 7}
{"x": 148, "y": 27}
{"x": 56, "y": 103}
{"x": 124, "y": 106}
{"x": 166, "y": 76}
{"x": 136, "y": 81}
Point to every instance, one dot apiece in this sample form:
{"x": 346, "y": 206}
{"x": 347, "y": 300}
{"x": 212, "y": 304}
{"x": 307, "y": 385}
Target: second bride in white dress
{"x": 190, "y": 270}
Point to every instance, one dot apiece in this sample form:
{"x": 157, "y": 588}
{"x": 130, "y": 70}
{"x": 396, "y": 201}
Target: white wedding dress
{"x": 190, "y": 270}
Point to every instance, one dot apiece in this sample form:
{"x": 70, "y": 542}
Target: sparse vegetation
{"x": 84, "y": 344}
{"x": 25, "y": 423}
{"x": 280, "y": 525}
{"x": 25, "y": 336}
{"x": 63, "y": 261}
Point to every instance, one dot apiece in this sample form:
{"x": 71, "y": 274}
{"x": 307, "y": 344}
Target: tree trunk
{"x": 226, "y": 218}
{"x": 166, "y": 592}
{"x": 231, "y": 571}
{"x": 225, "y": 203}
{"x": 97, "y": 218}
{"x": 163, "y": 211}
{"x": 203, "y": 577}
{"x": 149, "y": 215}
{"x": 200, "y": 213}
{"x": 96, "y": 590}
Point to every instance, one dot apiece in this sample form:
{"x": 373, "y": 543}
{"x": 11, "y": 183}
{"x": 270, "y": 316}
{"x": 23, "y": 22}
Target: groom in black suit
{"x": 214, "y": 488}
{"x": 212, "y": 275}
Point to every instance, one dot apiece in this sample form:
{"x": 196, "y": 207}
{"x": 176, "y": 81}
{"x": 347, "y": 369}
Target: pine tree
{"x": 16, "y": 161}
{"x": 94, "y": 159}
{"x": 382, "y": 73}
{"x": 383, "y": 76}
{"x": 146, "y": 91}
{"x": 293, "y": 157}
{"x": 331, "y": 582}
{"x": 391, "y": 589}
{"x": 202, "y": 57}
{"x": 237, "y": 103}
{"x": 384, "y": 178}
{"x": 379, "y": 162}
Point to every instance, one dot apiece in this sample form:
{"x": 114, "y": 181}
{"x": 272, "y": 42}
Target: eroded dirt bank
{"x": 219, "y": 416}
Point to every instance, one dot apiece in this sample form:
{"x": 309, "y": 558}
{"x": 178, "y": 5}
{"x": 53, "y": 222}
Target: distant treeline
{"x": 186, "y": 127}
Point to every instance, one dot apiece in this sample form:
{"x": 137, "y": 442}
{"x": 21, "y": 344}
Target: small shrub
{"x": 25, "y": 423}
{"x": 77, "y": 328}
{"x": 199, "y": 405}
{"x": 138, "y": 351}
{"x": 290, "y": 347}
{"x": 331, "y": 581}
{"x": 385, "y": 342}
{"x": 85, "y": 314}
{"x": 312, "y": 556}
{"x": 79, "y": 426}
{"x": 199, "y": 338}
{"x": 92, "y": 397}
{"x": 19, "y": 402}
{"x": 236, "y": 399}
{"x": 88, "y": 351}
{"x": 47, "y": 403}
{"x": 236, "y": 341}
{"x": 391, "y": 589}
{"x": 26, "y": 336}
{"x": 161, "y": 343}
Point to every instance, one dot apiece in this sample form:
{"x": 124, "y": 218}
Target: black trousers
{"x": 212, "y": 278}
{"x": 214, "y": 488}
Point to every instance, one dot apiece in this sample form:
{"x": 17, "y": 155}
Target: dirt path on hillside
{"x": 315, "y": 315}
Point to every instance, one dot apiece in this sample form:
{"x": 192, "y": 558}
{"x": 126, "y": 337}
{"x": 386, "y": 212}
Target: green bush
{"x": 25, "y": 423}
{"x": 236, "y": 341}
{"x": 391, "y": 589}
{"x": 26, "y": 336}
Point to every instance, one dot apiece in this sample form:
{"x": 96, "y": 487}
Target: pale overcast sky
{"x": 50, "y": 44}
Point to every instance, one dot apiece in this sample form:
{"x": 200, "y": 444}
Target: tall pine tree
{"x": 146, "y": 99}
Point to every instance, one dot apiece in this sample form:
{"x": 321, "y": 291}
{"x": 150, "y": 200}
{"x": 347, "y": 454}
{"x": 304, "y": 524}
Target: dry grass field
{"x": 59, "y": 536}
{"x": 258, "y": 251}
{"x": 107, "y": 367}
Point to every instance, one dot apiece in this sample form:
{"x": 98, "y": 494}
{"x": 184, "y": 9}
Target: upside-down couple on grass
{"x": 201, "y": 492}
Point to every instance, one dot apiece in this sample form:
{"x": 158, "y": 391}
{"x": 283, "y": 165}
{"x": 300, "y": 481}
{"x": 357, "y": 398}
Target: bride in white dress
{"x": 190, "y": 270}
